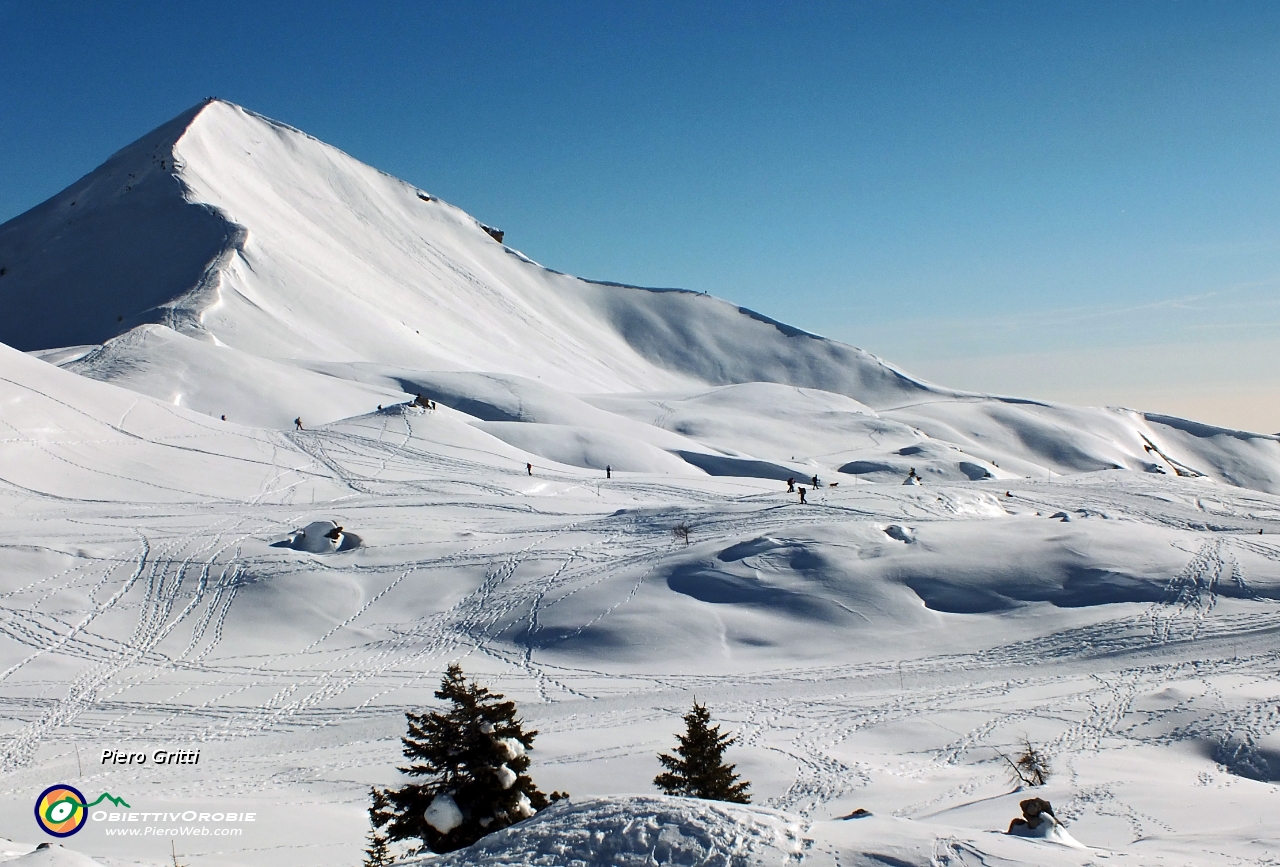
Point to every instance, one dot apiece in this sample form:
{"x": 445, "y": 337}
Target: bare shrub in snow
{"x": 473, "y": 757}
{"x": 700, "y": 771}
{"x": 1029, "y": 769}
{"x": 681, "y": 531}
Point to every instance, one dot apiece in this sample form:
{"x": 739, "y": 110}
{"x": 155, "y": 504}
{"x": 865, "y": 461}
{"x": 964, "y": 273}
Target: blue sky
{"x": 1074, "y": 201}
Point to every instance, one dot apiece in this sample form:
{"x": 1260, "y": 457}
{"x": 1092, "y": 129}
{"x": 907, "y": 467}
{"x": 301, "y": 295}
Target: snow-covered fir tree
{"x": 699, "y": 770}
{"x": 471, "y": 760}
{"x": 377, "y": 854}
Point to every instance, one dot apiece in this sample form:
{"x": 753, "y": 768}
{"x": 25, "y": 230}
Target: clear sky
{"x": 1074, "y": 201}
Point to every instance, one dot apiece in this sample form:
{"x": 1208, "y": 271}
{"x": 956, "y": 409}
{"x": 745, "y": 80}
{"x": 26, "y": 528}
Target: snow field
{"x": 1100, "y": 582}
{"x": 290, "y": 669}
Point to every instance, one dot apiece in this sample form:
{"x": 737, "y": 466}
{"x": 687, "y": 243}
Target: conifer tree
{"x": 472, "y": 761}
{"x": 377, "y": 854}
{"x": 700, "y": 772}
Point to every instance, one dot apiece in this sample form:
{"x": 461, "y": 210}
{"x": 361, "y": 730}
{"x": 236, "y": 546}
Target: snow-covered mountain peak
{"x": 281, "y": 246}
{"x": 236, "y": 266}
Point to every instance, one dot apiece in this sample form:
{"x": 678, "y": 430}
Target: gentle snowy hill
{"x": 65, "y": 436}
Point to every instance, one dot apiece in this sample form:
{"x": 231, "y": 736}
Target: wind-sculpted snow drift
{"x": 328, "y": 436}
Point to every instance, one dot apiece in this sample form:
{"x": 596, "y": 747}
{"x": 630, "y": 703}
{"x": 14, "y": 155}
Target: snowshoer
{"x": 791, "y": 486}
{"x": 608, "y": 471}
{"x": 529, "y": 468}
{"x": 815, "y": 481}
{"x": 297, "y": 423}
{"x": 801, "y": 490}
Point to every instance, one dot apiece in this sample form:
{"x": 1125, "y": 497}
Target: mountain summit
{"x": 232, "y": 228}
{"x": 235, "y": 266}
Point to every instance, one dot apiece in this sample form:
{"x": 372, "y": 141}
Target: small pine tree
{"x": 473, "y": 758}
{"x": 699, "y": 772}
{"x": 377, "y": 854}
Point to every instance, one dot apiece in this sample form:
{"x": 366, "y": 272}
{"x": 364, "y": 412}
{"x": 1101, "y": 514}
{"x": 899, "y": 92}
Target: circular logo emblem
{"x": 60, "y": 810}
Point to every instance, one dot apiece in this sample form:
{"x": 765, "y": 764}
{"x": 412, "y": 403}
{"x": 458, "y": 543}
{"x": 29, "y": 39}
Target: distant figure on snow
{"x": 224, "y": 418}
{"x": 801, "y": 490}
{"x": 529, "y": 468}
{"x": 912, "y": 478}
{"x": 814, "y": 480}
{"x": 297, "y": 423}
{"x": 608, "y": 471}
{"x": 791, "y": 486}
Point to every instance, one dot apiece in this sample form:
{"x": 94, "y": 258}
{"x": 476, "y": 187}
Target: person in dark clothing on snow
{"x": 801, "y": 490}
{"x": 297, "y": 423}
{"x": 791, "y": 486}
{"x": 608, "y": 471}
{"x": 529, "y": 467}
{"x": 815, "y": 481}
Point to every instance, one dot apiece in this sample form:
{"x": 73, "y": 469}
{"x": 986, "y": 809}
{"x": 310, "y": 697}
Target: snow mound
{"x": 642, "y": 831}
{"x": 636, "y": 831}
{"x": 54, "y": 855}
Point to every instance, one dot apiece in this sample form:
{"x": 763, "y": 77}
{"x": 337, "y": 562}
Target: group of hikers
{"x": 608, "y": 470}
{"x": 792, "y": 489}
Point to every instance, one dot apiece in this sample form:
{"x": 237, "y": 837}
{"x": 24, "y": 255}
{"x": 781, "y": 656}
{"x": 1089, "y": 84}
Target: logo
{"x": 61, "y": 810}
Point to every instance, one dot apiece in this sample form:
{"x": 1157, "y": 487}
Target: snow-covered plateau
{"x": 230, "y": 524}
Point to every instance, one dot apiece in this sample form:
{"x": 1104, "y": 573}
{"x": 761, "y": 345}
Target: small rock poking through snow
{"x": 1038, "y": 822}
{"x": 320, "y": 537}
